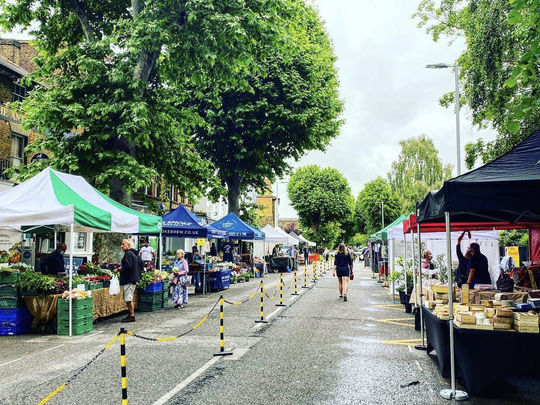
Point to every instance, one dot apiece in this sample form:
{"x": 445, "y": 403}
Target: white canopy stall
{"x": 53, "y": 198}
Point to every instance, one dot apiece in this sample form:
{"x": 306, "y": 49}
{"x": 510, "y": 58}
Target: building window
{"x": 18, "y": 143}
{"x": 19, "y": 92}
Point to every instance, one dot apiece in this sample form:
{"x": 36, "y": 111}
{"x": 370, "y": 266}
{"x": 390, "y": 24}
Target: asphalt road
{"x": 316, "y": 350}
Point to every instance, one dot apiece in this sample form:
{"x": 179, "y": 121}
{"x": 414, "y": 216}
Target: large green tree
{"x": 417, "y": 170}
{"x": 323, "y": 200}
{"x": 289, "y": 106}
{"x": 499, "y": 68}
{"x": 369, "y": 210}
{"x": 109, "y": 93}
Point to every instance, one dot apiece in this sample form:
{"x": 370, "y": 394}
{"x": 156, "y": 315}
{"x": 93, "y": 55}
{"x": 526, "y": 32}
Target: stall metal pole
{"x": 451, "y": 393}
{"x": 405, "y": 260}
{"x": 413, "y": 254}
{"x": 160, "y": 247}
{"x": 71, "y": 249}
{"x": 55, "y": 238}
{"x": 423, "y": 345}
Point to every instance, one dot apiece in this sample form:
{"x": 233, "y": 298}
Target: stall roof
{"x": 301, "y": 239}
{"x": 506, "y": 189}
{"x": 272, "y": 235}
{"x": 382, "y": 235}
{"x": 238, "y": 229}
{"x": 290, "y": 239}
{"x": 183, "y": 223}
{"x": 55, "y": 198}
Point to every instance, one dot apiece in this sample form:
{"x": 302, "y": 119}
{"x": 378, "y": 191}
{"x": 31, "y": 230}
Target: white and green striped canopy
{"x": 56, "y": 198}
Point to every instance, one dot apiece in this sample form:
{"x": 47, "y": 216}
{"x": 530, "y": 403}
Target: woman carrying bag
{"x": 342, "y": 267}
{"x": 180, "y": 280}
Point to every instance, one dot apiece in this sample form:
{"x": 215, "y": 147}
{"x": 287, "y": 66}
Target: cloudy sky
{"x": 389, "y": 94}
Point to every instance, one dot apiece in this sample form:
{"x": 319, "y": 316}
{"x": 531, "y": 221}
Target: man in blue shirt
{"x": 53, "y": 263}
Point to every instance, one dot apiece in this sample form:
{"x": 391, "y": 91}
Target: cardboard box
{"x": 526, "y": 317}
{"x": 467, "y": 318}
{"x": 467, "y": 326}
{"x": 502, "y": 326}
{"x": 504, "y": 313}
{"x": 505, "y": 320}
{"x": 527, "y": 329}
{"x": 490, "y": 312}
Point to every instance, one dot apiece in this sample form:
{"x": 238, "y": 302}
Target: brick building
{"x": 15, "y": 63}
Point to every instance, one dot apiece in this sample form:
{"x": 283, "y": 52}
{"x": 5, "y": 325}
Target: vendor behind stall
{"x": 478, "y": 272}
{"x": 461, "y": 272}
{"x": 53, "y": 263}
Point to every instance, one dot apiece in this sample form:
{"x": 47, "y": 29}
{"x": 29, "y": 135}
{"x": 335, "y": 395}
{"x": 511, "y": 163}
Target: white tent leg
{"x": 451, "y": 393}
{"x": 405, "y": 260}
{"x": 55, "y": 238}
{"x": 413, "y": 253}
{"x": 71, "y": 249}
{"x": 423, "y": 345}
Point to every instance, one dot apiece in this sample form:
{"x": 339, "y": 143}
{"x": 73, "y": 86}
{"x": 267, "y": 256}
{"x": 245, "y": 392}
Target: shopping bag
{"x": 114, "y": 288}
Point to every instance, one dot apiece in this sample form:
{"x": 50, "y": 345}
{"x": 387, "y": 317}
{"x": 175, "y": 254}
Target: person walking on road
{"x": 342, "y": 268}
{"x": 180, "y": 280}
{"x": 130, "y": 274}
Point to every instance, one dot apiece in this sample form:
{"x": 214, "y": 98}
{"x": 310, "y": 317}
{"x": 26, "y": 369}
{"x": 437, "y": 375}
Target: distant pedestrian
{"x": 180, "y": 280}
{"x": 306, "y": 255}
{"x": 342, "y": 268}
{"x": 213, "y": 250}
{"x": 147, "y": 254}
{"x": 130, "y": 274}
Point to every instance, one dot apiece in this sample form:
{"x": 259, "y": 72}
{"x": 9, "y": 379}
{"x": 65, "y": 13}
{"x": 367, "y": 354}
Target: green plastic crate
{"x": 84, "y": 303}
{"x": 149, "y": 306}
{"x": 10, "y": 302}
{"x": 77, "y": 313}
{"x": 8, "y": 290}
{"x": 95, "y": 286}
{"x": 78, "y": 327}
{"x": 153, "y": 297}
{"x": 8, "y": 277}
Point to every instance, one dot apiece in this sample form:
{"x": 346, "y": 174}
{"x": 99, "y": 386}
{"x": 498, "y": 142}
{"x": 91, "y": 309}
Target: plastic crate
{"x": 95, "y": 286}
{"x": 8, "y": 290}
{"x": 219, "y": 280}
{"x": 15, "y": 328}
{"x": 82, "y": 304}
{"x": 149, "y": 306}
{"x": 153, "y": 297}
{"x": 77, "y": 327}
{"x": 155, "y": 286}
{"x": 77, "y": 314}
{"x": 10, "y": 302}
{"x": 21, "y": 314}
{"x": 8, "y": 277}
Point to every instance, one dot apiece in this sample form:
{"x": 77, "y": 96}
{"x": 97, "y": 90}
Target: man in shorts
{"x": 130, "y": 274}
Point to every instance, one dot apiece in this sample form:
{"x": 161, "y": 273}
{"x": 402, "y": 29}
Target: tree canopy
{"x": 289, "y": 106}
{"x": 368, "y": 212}
{"x": 111, "y": 83}
{"x": 323, "y": 200}
{"x": 499, "y": 68}
{"x": 417, "y": 170}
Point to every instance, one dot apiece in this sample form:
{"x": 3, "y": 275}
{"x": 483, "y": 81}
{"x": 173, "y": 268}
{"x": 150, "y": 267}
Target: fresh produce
{"x": 146, "y": 279}
{"x": 4, "y": 256}
{"x": 61, "y": 286}
{"x": 76, "y": 294}
{"x": 40, "y": 283}
{"x": 21, "y": 267}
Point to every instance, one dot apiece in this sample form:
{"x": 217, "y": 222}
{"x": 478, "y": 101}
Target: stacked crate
{"x": 150, "y": 301}
{"x": 15, "y": 319}
{"x": 82, "y": 316}
{"x": 165, "y": 296}
{"x": 526, "y": 322}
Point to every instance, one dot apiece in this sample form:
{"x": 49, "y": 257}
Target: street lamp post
{"x": 456, "y": 99}
{"x": 276, "y": 213}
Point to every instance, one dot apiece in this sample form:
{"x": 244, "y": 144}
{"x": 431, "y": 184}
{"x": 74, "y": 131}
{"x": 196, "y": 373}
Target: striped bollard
{"x": 314, "y": 267}
{"x": 222, "y": 351}
{"x": 295, "y": 285}
{"x": 281, "y": 304}
{"x": 123, "y": 366}
{"x": 305, "y": 277}
{"x": 262, "y": 306}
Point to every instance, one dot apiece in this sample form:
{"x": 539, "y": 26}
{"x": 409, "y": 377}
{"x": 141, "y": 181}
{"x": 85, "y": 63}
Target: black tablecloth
{"x": 482, "y": 357}
{"x": 438, "y": 339}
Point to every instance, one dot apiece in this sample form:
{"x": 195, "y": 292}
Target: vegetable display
{"x": 40, "y": 283}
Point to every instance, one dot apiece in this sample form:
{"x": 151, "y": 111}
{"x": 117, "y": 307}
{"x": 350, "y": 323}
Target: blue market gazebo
{"x": 236, "y": 228}
{"x": 185, "y": 224}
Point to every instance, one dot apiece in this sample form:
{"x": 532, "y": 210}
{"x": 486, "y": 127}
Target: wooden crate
{"x": 466, "y": 318}
{"x": 479, "y": 327}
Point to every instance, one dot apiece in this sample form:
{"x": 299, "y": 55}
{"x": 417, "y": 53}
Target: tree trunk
{"x": 233, "y": 193}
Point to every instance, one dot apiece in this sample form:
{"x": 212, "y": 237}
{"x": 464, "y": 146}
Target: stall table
{"x": 482, "y": 357}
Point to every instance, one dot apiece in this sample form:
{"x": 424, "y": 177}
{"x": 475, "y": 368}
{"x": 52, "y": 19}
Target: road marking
{"x": 52, "y": 348}
{"x": 268, "y": 317}
{"x": 395, "y": 307}
{"x": 405, "y": 342}
{"x": 397, "y": 321}
{"x": 9, "y": 362}
{"x": 410, "y": 349}
{"x": 418, "y": 365}
{"x": 186, "y": 382}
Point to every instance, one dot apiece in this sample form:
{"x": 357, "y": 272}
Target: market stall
{"x": 67, "y": 201}
{"x": 506, "y": 190}
{"x": 239, "y": 230}
{"x": 182, "y": 223}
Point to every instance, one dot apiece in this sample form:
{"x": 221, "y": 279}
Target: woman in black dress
{"x": 342, "y": 267}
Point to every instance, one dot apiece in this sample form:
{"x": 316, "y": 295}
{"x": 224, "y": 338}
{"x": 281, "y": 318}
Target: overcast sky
{"x": 389, "y": 94}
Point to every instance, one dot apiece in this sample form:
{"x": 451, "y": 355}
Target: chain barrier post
{"x": 295, "y": 284}
{"x": 222, "y": 351}
{"x": 281, "y": 304}
{"x": 305, "y": 277}
{"x": 262, "y": 305}
{"x": 123, "y": 366}
{"x": 314, "y": 271}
